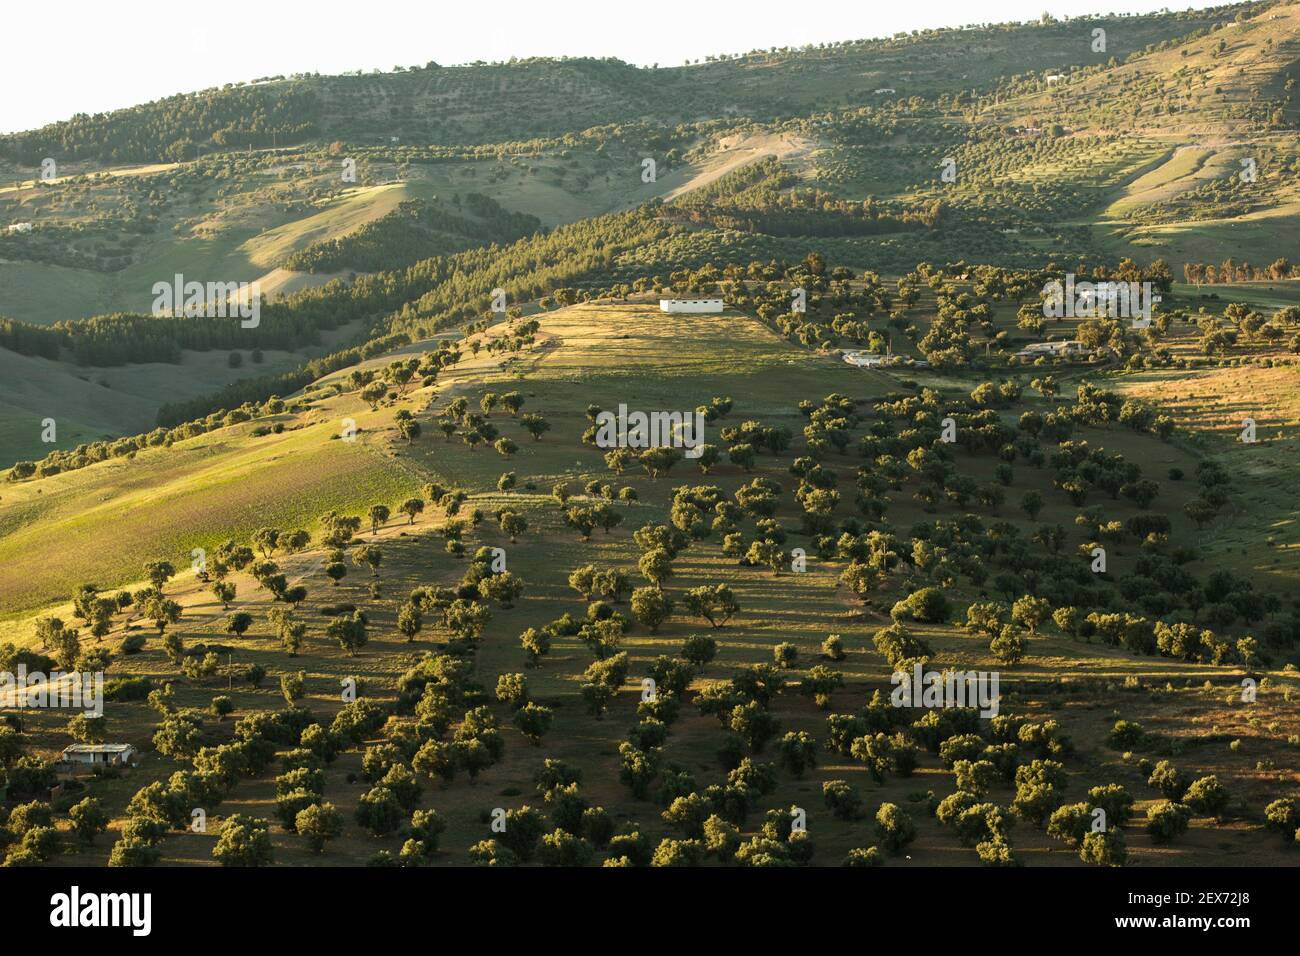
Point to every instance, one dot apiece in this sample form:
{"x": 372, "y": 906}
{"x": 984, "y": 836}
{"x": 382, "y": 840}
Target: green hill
{"x": 534, "y": 97}
{"x": 103, "y": 522}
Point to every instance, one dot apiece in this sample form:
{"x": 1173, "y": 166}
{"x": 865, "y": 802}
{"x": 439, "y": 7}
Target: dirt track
{"x": 740, "y": 151}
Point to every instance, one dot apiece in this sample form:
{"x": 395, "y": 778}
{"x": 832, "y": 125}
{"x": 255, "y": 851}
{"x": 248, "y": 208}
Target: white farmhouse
{"x": 864, "y": 359}
{"x": 690, "y": 305}
{"x": 1071, "y": 349}
{"x": 19, "y": 227}
{"x": 99, "y": 755}
{"x": 860, "y": 359}
{"x": 1054, "y": 78}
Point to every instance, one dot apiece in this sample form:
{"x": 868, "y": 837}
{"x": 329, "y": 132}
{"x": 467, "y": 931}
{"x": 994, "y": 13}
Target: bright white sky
{"x": 93, "y": 55}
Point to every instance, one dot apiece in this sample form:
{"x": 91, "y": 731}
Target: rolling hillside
{"x": 372, "y": 581}
{"x": 101, "y": 522}
{"x": 528, "y": 98}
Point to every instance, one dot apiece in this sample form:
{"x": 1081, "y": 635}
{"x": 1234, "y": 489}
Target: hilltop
{"x": 530, "y": 98}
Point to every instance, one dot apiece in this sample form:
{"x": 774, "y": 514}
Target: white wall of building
{"x": 690, "y": 305}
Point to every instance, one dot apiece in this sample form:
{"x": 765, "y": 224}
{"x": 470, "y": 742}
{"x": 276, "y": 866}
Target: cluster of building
{"x": 859, "y": 359}
{"x": 1069, "y": 350}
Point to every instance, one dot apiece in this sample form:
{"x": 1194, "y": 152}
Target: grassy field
{"x": 1262, "y": 535}
{"x": 93, "y": 524}
{"x": 88, "y": 403}
{"x": 1256, "y": 237}
{"x": 351, "y": 211}
{"x": 1186, "y": 168}
{"x": 43, "y": 293}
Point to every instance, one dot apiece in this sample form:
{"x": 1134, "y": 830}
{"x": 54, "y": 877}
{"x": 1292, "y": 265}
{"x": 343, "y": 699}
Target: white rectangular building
{"x": 99, "y": 755}
{"x": 690, "y": 305}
